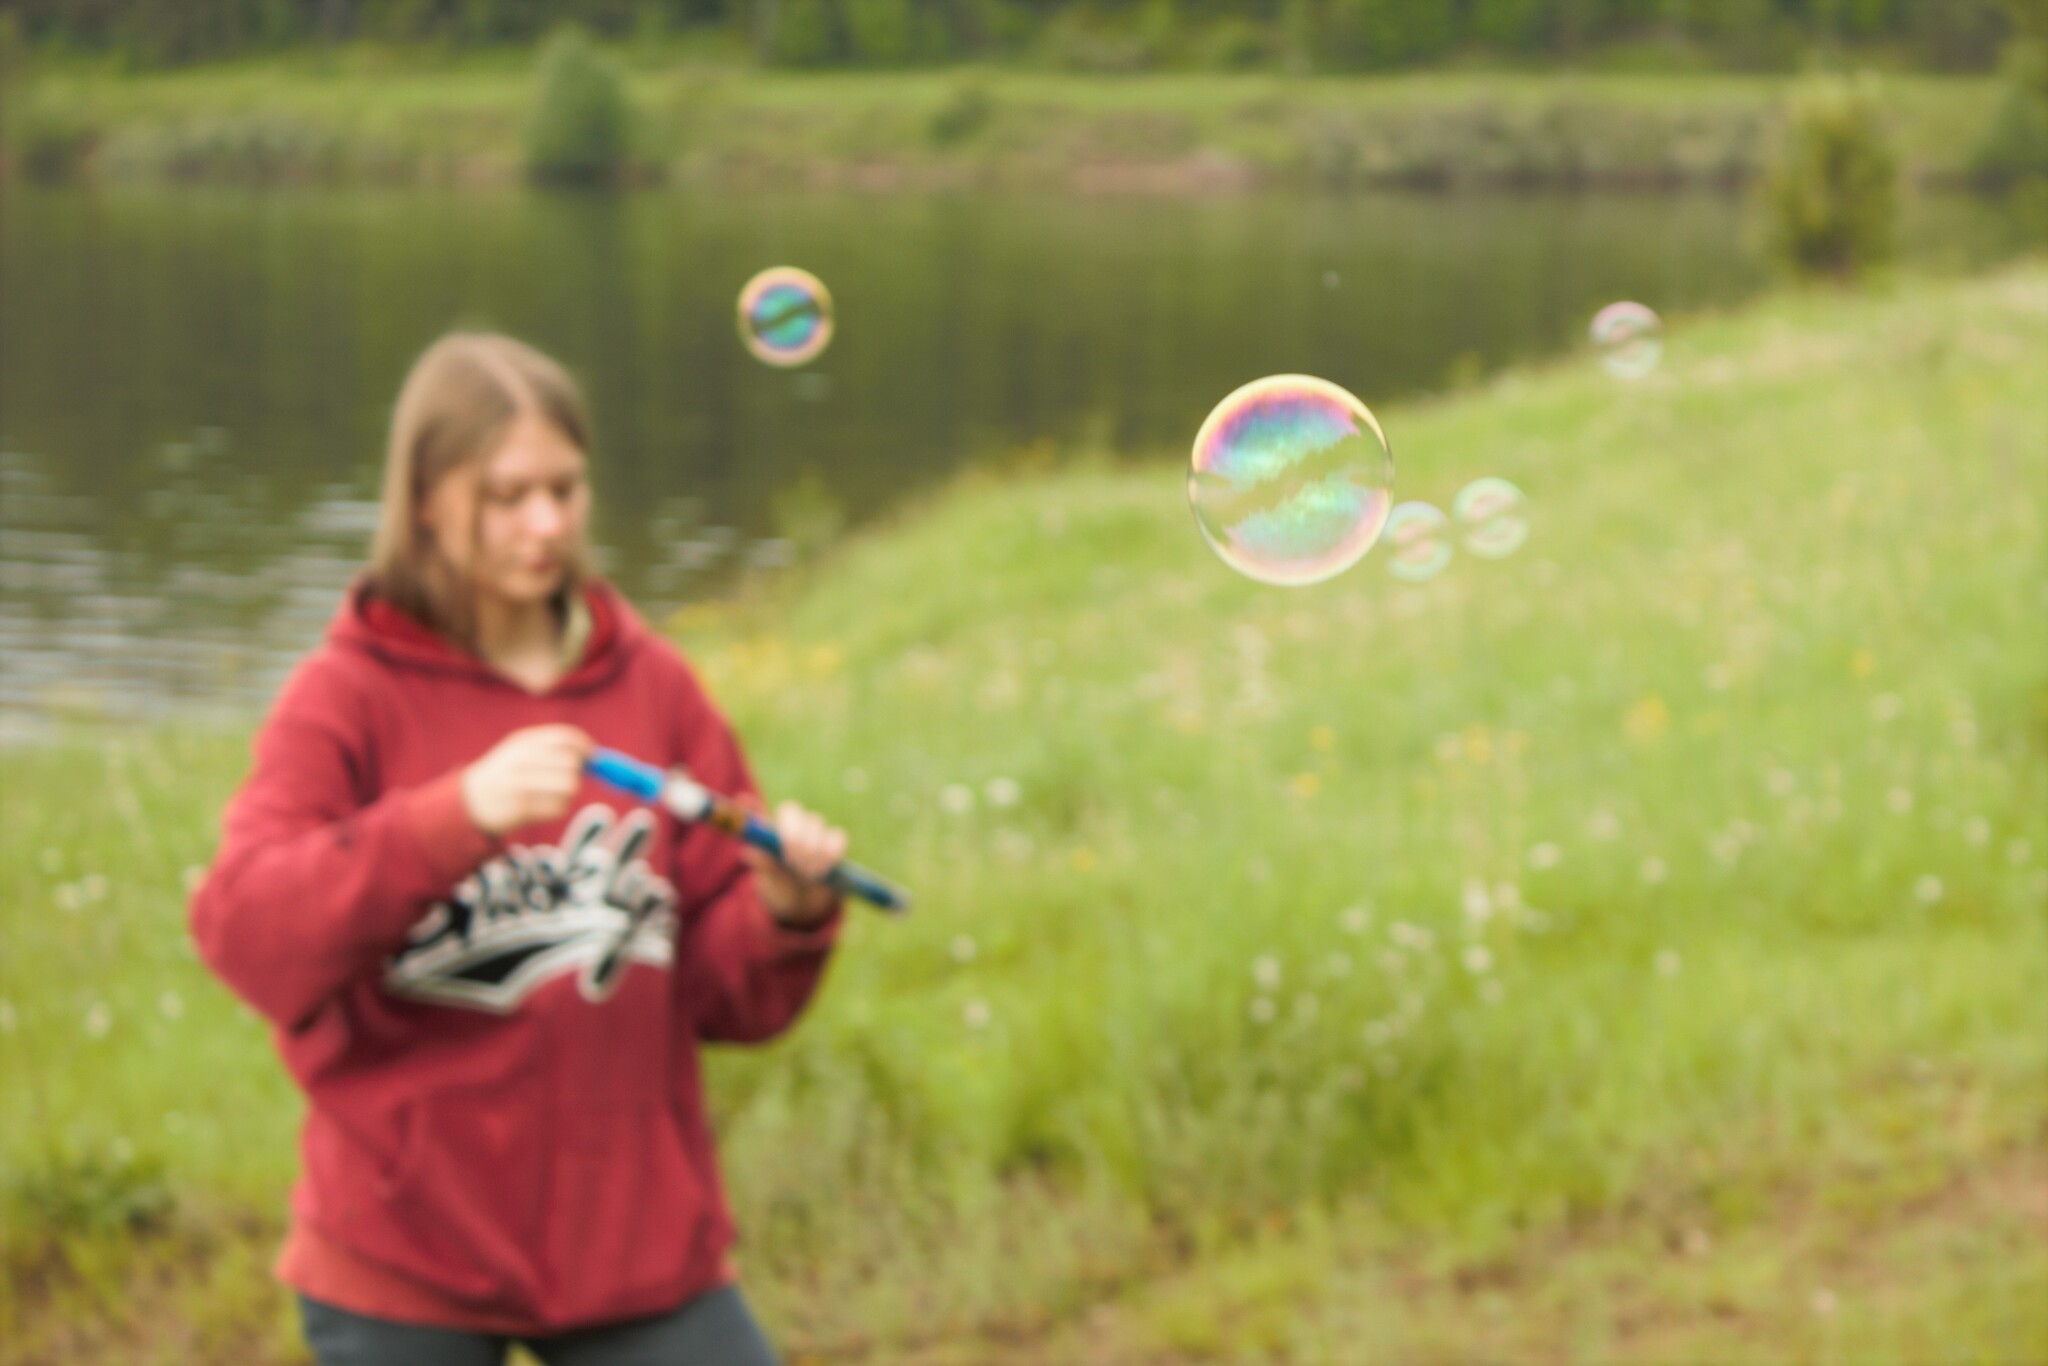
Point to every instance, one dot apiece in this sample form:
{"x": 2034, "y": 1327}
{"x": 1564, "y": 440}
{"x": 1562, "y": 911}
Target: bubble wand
{"x": 686, "y": 800}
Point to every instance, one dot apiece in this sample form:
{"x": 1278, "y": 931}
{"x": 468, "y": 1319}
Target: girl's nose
{"x": 545, "y": 515}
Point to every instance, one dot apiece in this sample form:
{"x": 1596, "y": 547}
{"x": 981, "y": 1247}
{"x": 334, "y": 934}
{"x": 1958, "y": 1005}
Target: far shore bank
{"x": 375, "y": 119}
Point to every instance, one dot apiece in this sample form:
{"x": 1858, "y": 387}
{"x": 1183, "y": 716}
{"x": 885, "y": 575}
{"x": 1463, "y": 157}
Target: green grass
{"x": 1735, "y": 772}
{"x": 372, "y": 114}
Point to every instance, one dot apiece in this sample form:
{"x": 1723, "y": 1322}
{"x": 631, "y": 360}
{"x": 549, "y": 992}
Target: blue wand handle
{"x": 691, "y": 802}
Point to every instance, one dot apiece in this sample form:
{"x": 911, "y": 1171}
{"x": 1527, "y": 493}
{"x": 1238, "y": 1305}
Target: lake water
{"x": 194, "y": 385}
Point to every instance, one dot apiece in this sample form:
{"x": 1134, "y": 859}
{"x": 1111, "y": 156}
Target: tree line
{"x": 1299, "y": 35}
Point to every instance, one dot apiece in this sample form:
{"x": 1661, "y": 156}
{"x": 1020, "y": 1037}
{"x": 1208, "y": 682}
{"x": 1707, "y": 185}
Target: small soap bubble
{"x": 1418, "y": 541}
{"x": 1492, "y": 517}
{"x": 1630, "y": 337}
{"x": 1290, "y": 480}
{"x": 785, "y": 316}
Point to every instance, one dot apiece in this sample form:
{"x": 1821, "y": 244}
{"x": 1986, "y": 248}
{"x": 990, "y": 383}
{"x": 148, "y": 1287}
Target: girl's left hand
{"x": 791, "y": 886}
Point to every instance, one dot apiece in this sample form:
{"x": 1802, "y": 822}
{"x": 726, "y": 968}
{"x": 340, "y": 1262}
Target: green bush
{"x": 53, "y": 144}
{"x": 799, "y": 33}
{"x": 882, "y": 32}
{"x": 966, "y": 112}
{"x": 1832, "y": 188}
{"x": 2015, "y": 146}
{"x": 581, "y": 118}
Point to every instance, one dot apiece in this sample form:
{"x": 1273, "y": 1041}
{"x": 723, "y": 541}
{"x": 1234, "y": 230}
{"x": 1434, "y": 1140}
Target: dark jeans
{"x": 715, "y": 1329}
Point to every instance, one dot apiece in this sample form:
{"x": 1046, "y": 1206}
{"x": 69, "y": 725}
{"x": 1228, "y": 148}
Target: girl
{"x": 489, "y": 975}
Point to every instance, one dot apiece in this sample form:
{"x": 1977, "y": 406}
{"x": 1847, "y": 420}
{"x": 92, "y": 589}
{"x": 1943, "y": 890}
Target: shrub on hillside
{"x": 581, "y": 118}
{"x": 1832, "y": 188}
{"x": 2015, "y": 146}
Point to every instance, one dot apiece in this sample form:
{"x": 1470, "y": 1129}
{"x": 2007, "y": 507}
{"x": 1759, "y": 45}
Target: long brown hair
{"x": 459, "y": 399}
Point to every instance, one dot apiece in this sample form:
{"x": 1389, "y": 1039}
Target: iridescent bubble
{"x": 785, "y": 316}
{"x": 1492, "y": 517}
{"x": 1418, "y": 538}
{"x": 1630, "y": 337}
{"x": 1291, "y": 480}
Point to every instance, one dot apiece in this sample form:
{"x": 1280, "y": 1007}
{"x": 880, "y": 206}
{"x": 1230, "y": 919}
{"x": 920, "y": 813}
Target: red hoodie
{"x": 500, "y": 1132}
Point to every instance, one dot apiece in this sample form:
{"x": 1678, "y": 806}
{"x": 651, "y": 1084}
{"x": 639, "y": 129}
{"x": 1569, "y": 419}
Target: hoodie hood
{"x": 378, "y": 627}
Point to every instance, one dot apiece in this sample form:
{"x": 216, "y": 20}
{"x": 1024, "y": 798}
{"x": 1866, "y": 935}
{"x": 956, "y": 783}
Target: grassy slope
{"x": 1735, "y": 773}
{"x": 372, "y": 114}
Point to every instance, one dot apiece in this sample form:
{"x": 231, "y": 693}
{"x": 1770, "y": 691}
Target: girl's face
{"x": 528, "y": 502}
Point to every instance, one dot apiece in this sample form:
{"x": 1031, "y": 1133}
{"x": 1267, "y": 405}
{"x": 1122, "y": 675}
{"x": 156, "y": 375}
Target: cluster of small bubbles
{"x": 785, "y": 316}
{"x": 1630, "y": 337}
{"x": 1290, "y": 480}
{"x": 1492, "y": 517}
{"x": 1418, "y": 541}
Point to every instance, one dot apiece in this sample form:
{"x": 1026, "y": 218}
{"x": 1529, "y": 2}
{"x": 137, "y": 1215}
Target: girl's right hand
{"x": 531, "y": 775}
